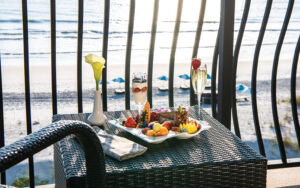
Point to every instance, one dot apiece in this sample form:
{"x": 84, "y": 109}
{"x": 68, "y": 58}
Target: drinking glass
{"x": 199, "y": 78}
{"x": 139, "y": 89}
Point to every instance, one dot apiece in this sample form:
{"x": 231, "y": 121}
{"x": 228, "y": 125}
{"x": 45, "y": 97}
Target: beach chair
{"x": 119, "y": 90}
{"x": 185, "y": 86}
{"x": 163, "y": 88}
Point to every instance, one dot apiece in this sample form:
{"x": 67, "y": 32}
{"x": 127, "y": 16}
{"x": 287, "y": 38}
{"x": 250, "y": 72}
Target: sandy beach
{"x": 40, "y": 79}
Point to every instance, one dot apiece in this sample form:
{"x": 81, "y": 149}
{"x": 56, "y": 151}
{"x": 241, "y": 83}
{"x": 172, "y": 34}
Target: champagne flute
{"x": 199, "y": 78}
{"x": 139, "y": 89}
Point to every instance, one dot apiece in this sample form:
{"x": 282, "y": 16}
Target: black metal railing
{"x": 151, "y": 50}
{"x": 53, "y": 56}
{"x": 196, "y": 45}
{"x": 254, "y": 76}
{"x": 259, "y": 42}
{"x": 293, "y": 90}
{"x": 79, "y": 55}
{"x": 224, "y": 65}
{"x": 274, "y": 80}
{"x": 2, "y": 140}
{"x": 128, "y": 54}
{"x": 173, "y": 52}
{"x": 235, "y": 63}
{"x": 104, "y": 51}
{"x": 27, "y": 83}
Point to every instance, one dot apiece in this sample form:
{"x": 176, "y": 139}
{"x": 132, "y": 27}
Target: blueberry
{"x": 145, "y": 124}
{"x": 151, "y": 126}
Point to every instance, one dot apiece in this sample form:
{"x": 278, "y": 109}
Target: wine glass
{"x": 139, "y": 89}
{"x": 199, "y": 78}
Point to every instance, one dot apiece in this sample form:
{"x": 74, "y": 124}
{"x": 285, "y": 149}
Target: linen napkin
{"x": 118, "y": 147}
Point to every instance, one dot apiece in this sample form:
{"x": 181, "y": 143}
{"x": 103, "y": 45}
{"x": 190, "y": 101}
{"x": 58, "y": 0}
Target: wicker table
{"x": 215, "y": 158}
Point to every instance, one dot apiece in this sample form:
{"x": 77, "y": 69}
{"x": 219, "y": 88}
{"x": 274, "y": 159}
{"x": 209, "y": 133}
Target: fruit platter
{"x": 160, "y": 125}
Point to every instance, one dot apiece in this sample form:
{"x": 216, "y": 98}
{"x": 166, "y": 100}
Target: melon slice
{"x": 148, "y": 112}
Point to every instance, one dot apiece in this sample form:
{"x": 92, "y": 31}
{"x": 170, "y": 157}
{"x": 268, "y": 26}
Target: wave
{"x": 112, "y": 34}
{"x": 47, "y": 21}
{"x": 237, "y": 21}
{"x": 7, "y": 54}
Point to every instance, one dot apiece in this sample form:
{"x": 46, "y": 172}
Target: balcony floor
{"x": 284, "y": 177}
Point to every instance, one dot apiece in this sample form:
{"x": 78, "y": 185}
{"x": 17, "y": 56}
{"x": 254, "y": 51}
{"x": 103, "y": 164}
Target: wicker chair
{"x": 12, "y": 154}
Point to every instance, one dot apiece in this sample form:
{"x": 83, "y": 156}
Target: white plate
{"x": 159, "y": 139}
{"x": 138, "y": 132}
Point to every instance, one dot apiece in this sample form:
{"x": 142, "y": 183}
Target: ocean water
{"x": 11, "y": 38}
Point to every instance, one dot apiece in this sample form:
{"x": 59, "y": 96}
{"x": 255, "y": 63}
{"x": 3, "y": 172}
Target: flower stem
{"x": 97, "y": 86}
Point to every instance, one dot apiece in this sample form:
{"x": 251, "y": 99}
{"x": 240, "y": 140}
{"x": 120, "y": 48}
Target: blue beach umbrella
{"x": 241, "y": 87}
{"x": 119, "y": 79}
{"x": 164, "y": 78}
{"x": 244, "y": 89}
{"x": 184, "y": 76}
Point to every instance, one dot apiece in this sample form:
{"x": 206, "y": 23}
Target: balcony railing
{"x": 225, "y": 60}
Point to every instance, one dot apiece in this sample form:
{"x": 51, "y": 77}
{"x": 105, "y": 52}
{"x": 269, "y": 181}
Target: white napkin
{"x": 118, "y": 147}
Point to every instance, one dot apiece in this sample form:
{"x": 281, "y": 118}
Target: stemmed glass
{"x": 199, "y": 78}
{"x": 139, "y": 89}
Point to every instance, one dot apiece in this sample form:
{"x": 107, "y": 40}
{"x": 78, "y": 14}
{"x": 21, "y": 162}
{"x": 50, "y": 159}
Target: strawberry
{"x": 130, "y": 122}
{"x": 198, "y": 127}
{"x": 196, "y": 63}
{"x": 136, "y": 90}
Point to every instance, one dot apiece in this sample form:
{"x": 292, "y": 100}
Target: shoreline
{"x": 40, "y": 75}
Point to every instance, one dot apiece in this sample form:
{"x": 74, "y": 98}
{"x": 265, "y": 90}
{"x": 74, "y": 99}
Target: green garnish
{"x": 179, "y": 109}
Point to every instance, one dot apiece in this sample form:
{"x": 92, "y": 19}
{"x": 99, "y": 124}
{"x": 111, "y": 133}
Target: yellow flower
{"x": 97, "y": 63}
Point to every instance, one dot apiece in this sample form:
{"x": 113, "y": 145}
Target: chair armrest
{"x": 14, "y": 153}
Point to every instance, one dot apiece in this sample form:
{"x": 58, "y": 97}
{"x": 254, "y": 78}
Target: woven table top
{"x": 214, "y": 146}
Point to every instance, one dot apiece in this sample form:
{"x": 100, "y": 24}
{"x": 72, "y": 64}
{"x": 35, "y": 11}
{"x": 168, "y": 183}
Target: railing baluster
{"x": 196, "y": 46}
{"x": 27, "y": 83}
{"x": 128, "y": 54}
{"x": 173, "y": 52}
{"x": 2, "y": 140}
{"x": 235, "y": 63}
{"x": 274, "y": 78}
{"x": 151, "y": 50}
{"x": 53, "y": 57}
{"x": 214, "y": 77}
{"x": 104, "y": 52}
{"x": 293, "y": 91}
{"x": 79, "y": 55}
{"x": 226, "y": 62}
{"x": 254, "y": 76}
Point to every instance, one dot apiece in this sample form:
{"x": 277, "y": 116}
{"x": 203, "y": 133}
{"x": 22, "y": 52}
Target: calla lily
{"x": 97, "y": 63}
